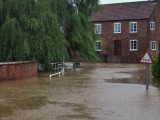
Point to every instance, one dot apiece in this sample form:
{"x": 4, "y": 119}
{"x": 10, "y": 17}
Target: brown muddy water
{"x": 95, "y": 92}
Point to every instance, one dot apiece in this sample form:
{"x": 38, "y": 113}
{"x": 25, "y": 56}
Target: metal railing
{"x": 59, "y": 66}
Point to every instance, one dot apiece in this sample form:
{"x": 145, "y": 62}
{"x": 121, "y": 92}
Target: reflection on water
{"x": 96, "y": 92}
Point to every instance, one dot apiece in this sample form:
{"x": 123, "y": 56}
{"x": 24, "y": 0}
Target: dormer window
{"x": 97, "y": 28}
{"x": 152, "y": 25}
{"x": 117, "y": 27}
{"x": 133, "y": 27}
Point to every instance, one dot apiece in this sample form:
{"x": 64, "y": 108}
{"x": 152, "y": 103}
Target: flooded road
{"x": 95, "y": 92}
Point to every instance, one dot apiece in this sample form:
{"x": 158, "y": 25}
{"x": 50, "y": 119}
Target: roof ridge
{"x": 127, "y": 3}
{"x": 124, "y": 11}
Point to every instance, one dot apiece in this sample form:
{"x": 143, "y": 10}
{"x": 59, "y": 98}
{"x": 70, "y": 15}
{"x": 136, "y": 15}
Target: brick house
{"x": 127, "y": 30}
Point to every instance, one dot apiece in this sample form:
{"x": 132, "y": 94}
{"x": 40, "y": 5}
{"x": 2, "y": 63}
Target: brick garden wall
{"x": 17, "y": 70}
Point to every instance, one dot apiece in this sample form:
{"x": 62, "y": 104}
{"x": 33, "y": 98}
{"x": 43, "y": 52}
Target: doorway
{"x": 117, "y": 47}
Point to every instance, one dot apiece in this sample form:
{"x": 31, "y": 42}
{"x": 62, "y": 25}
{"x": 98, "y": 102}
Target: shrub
{"x": 156, "y": 67}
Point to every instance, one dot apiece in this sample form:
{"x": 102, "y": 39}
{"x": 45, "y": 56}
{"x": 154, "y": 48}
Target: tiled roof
{"x": 124, "y": 11}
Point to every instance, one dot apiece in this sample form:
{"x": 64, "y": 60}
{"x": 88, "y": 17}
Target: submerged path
{"x": 95, "y": 92}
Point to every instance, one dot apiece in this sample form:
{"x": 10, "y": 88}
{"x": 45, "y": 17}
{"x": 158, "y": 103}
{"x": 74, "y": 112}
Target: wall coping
{"x": 18, "y": 62}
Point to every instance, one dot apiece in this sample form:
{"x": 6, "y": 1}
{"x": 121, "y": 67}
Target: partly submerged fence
{"x": 59, "y": 67}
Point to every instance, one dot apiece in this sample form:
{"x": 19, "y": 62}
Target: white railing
{"x": 61, "y": 66}
{"x": 58, "y": 65}
{"x": 58, "y": 73}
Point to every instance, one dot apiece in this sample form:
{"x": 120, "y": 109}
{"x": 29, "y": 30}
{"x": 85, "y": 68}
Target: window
{"x": 133, "y": 27}
{"x": 153, "y": 45}
{"x": 62, "y": 29}
{"x": 152, "y": 25}
{"x": 98, "y": 45}
{"x": 117, "y": 27}
{"x": 97, "y": 29}
{"x": 133, "y": 45}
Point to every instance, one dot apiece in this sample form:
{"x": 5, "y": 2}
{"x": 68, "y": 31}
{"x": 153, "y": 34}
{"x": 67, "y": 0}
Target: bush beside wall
{"x": 156, "y": 67}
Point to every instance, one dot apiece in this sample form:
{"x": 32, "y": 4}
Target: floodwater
{"x": 95, "y": 92}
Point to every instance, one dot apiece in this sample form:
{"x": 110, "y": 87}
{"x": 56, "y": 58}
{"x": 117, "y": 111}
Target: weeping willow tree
{"x": 74, "y": 16}
{"x": 31, "y": 30}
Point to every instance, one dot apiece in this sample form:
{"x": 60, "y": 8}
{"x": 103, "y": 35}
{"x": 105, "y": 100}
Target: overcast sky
{"x": 117, "y": 1}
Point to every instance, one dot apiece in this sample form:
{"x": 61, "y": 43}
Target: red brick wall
{"x": 17, "y": 70}
{"x": 154, "y": 35}
{"x": 144, "y": 36}
{"x": 108, "y": 37}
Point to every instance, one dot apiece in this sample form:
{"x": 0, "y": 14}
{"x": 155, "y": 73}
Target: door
{"x": 117, "y": 47}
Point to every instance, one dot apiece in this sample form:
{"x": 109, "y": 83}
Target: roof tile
{"x": 123, "y": 11}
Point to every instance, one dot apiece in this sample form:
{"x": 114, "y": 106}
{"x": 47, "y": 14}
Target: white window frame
{"x": 132, "y": 28}
{"x": 117, "y": 27}
{"x": 61, "y": 29}
{"x": 98, "y": 47}
{"x": 97, "y": 28}
{"x": 153, "y": 45}
{"x": 132, "y": 47}
{"x": 152, "y": 25}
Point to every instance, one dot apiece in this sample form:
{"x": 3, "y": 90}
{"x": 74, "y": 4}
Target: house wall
{"x": 17, "y": 70}
{"x": 144, "y": 36}
{"x": 108, "y": 37}
{"x": 154, "y": 35}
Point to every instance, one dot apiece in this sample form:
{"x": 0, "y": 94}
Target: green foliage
{"x": 78, "y": 33}
{"x": 31, "y": 30}
{"x": 156, "y": 67}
